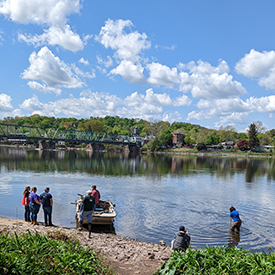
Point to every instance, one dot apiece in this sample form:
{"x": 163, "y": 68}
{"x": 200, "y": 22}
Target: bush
{"x": 35, "y": 254}
{"x": 201, "y": 146}
{"x": 219, "y": 260}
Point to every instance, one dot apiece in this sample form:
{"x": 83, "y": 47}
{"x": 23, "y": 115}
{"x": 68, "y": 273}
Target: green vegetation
{"x": 159, "y": 132}
{"x": 219, "y": 260}
{"x": 55, "y": 254}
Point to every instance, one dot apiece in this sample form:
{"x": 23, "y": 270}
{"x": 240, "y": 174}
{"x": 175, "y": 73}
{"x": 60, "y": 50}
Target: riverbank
{"x": 128, "y": 256}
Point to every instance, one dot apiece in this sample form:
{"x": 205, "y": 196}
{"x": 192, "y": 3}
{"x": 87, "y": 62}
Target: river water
{"x": 154, "y": 194}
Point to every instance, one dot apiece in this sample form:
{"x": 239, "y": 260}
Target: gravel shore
{"x": 126, "y": 255}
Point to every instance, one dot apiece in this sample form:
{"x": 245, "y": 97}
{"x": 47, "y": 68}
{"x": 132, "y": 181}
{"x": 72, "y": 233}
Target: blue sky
{"x": 204, "y": 62}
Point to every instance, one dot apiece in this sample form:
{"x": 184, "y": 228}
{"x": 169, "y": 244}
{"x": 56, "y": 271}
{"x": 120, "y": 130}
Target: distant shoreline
{"x": 176, "y": 152}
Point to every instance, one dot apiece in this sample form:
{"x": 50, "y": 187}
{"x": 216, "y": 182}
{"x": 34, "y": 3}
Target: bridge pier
{"x": 132, "y": 149}
{"x": 46, "y": 145}
{"x": 95, "y": 147}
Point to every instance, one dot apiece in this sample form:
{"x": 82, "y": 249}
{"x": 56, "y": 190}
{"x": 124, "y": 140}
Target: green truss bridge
{"x": 47, "y": 138}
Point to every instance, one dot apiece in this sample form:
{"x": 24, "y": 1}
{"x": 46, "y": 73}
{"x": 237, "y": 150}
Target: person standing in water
{"x": 234, "y": 215}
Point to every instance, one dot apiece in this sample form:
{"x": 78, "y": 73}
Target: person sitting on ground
{"x": 234, "y": 215}
{"x": 181, "y": 240}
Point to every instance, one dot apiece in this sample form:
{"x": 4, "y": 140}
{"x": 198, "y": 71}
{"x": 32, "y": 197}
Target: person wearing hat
{"x": 47, "y": 204}
{"x": 87, "y": 211}
{"x": 181, "y": 240}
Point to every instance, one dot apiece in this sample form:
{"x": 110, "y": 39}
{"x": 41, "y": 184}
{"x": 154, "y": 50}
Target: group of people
{"x": 182, "y": 238}
{"x": 32, "y": 203}
{"x": 88, "y": 206}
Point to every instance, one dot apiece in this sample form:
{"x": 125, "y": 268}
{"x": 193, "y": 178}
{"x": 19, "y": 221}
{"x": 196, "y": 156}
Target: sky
{"x": 203, "y": 62}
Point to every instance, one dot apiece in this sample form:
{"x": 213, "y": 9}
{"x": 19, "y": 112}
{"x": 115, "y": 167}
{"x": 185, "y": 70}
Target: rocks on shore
{"x": 118, "y": 249}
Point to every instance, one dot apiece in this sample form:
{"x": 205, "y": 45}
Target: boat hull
{"x": 103, "y": 216}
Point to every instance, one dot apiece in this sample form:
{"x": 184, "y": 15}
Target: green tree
{"x": 252, "y": 135}
{"x": 165, "y": 137}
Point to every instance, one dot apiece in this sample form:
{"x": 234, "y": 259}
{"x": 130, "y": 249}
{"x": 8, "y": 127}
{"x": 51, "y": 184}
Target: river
{"x": 154, "y": 194}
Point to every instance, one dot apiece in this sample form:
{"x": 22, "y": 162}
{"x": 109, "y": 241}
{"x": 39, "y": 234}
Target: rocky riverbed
{"x": 126, "y": 255}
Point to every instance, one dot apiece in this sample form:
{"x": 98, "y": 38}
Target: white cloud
{"x": 83, "y": 61}
{"x": 260, "y": 65}
{"x": 43, "y": 88}
{"x": 5, "y": 103}
{"x": 39, "y": 11}
{"x": 63, "y": 37}
{"x": 106, "y": 63}
{"x": 255, "y": 64}
{"x": 148, "y": 105}
{"x": 206, "y": 81}
{"x": 129, "y": 71}
{"x": 53, "y": 13}
{"x": 32, "y": 104}
{"x": 128, "y": 46}
{"x": 51, "y": 70}
{"x": 162, "y": 75}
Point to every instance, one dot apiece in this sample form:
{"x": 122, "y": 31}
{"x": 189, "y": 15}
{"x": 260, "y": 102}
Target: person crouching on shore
{"x": 181, "y": 240}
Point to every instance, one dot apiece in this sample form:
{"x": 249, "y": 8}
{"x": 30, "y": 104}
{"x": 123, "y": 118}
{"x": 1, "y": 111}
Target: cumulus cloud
{"x": 106, "y": 63}
{"x": 51, "y": 70}
{"x": 43, "y": 88}
{"x": 260, "y": 65}
{"x": 5, "y": 103}
{"x": 255, "y": 64}
{"x": 162, "y": 75}
{"x": 148, "y": 105}
{"x": 52, "y": 13}
{"x": 205, "y": 81}
{"x": 32, "y": 104}
{"x": 83, "y": 61}
{"x": 63, "y": 37}
{"x": 129, "y": 71}
{"x": 128, "y": 46}
{"x": 232, "y": 110}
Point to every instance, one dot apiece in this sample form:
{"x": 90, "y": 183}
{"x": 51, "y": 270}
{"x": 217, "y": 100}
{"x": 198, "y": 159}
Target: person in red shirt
{"x": 96, "y": 195}
{"x": 26, "y": 202}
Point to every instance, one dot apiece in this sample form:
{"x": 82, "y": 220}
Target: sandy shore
{"x": 128, "y": 256}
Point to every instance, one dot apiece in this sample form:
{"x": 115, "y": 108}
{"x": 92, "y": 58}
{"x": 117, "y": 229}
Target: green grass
{"x": 219, "y": 260}
{"x": 36, "y": 254}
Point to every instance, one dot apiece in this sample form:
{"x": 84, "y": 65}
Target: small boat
{"x": 104, "y": 213}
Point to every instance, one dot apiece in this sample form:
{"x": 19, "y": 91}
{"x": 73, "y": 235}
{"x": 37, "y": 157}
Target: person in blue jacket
{"x": 234, "y": 215}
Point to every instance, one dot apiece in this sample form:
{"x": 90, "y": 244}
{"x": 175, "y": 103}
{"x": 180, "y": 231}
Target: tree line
{"x": 159, "y": 132}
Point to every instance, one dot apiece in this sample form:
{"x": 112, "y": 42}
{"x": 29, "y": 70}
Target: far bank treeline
{"x": 159, "y": 132}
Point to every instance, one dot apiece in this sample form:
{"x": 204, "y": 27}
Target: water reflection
{"x": 234, "y": 238}
{"x": 131, "y": 164}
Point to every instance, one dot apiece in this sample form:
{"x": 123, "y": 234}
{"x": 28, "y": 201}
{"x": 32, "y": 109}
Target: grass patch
{"x": 219, "y": 260}
{"x": 36, "y": 254}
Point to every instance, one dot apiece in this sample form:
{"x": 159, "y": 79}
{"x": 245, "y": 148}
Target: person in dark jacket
{"x": 181, "y": 240}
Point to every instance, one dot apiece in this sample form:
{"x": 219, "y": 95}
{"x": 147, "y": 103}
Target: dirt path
{"x": 126, "y": 255}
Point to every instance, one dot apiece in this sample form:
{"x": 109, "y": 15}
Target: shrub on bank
{"x": 219, "y": 260}
{"x": 35, "y": 254}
